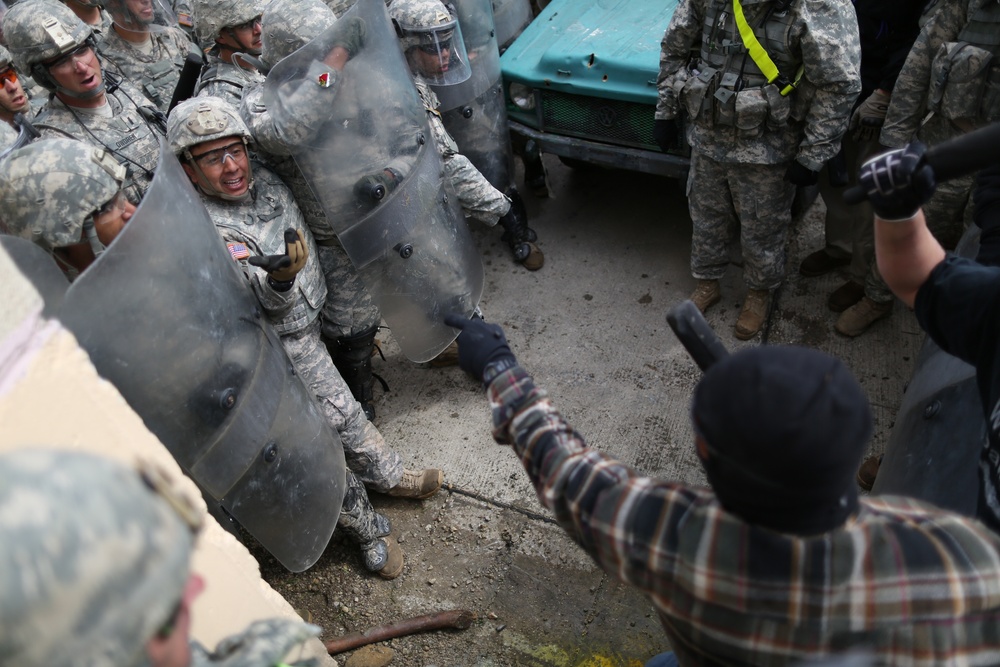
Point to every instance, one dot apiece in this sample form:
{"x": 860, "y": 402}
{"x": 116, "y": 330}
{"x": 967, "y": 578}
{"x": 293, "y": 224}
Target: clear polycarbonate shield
{"x": 168, "y": 318}
{"x": 372, "y": 163}
{"x": 475, "y": 112}
{"x": 510, "y": 18}
{"x": 40, "y": 269}
{"x": 141, "y": 15}
{"x": 438, "y": 54}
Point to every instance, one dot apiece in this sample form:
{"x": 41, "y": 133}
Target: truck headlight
{"x": 522, "y": 96}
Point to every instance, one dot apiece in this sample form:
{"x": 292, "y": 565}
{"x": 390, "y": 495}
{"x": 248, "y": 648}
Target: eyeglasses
{"x": 214, "y": 158}
{"x": 435, "y": 48}
{"x": 78, "y": 54}
{"x": 116, "y": 203}
{"x": 248, "y": 25}
{"x": 8, "y": 74}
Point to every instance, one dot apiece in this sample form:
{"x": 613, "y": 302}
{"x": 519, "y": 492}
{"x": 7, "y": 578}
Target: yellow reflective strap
{"x": 757, "y": 51}
{"x": 798, "y": 77}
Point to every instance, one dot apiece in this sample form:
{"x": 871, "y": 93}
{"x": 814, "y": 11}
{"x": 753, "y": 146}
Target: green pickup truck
{"x": 580, "y": 81}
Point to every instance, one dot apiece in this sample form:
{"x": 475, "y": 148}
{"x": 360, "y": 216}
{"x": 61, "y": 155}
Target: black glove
{"x": 899, "y": 182}
{"x": 482, "y": 347}
{"x": 799, "y": 174}
{"x": 349, "y": 34}
{"x": 284, "y": 268}
{"x": 666, "y": 133}
{"x": 373, "y": 188}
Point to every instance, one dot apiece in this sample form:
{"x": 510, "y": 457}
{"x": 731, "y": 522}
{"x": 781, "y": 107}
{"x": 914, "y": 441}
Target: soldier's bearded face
{"x": 141, "y": 9}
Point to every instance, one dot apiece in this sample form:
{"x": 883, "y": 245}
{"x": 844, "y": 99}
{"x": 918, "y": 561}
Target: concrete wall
{"x": 51, "y": 396}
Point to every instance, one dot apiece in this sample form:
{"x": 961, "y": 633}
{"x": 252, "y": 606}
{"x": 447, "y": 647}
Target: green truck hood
{"x": 600, "y": 48}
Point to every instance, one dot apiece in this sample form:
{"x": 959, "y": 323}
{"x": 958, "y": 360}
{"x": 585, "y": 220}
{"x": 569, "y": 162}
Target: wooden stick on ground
{"x": 456, "y": 618}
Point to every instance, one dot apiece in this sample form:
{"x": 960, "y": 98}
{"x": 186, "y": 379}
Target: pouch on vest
{"x": 958, "y": 80}
{"x": 694, "y": 94}
{"x": 778, "y": 107}
{"x": 725, "y": 100}
{"x": 159, "y": 82}
{"x": 751, "y": 113}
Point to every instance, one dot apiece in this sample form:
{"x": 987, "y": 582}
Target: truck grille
{"x": 610, "y": 121}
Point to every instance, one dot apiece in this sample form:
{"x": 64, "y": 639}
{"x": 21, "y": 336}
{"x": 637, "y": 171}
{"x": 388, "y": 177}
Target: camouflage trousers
{"x": 349, "y": 308}
{"x": 367, "y": 454}
{"x": 752, "y": 198}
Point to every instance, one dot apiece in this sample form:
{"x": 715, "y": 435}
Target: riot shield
{"x": 40, "y": 270}
{"x": 376, "y": 171}
{"x": 168, "y": 318}
{"x": 474, "y": 112}
{"x": 511, "y": 17}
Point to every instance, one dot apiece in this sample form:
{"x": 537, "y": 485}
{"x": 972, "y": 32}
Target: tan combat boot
{"x": 855, "y": 320}
{"x": 394, "y": 560}
{"x": 706, "y": 294}
{"x": 753, "y": 314}
{"x": 418, "y": 484}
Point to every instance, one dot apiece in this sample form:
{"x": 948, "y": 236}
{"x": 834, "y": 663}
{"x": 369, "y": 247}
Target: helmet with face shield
{"x": 432, "y": 41}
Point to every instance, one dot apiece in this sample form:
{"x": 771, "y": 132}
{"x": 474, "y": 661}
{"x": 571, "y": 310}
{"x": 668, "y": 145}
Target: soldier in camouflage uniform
{"x": 150, "y": 56}
{"x": 49, "y": 41}
{"x": 13, "y": 98}
{"x": 949, "y": 85}
{"x": 66, "y": 197}
{"x": 426, "y": 28}
{"x": 92, "y": 13}
{"x": 230, "y": 27}
{"x": 252, "y": 208}
{"x": 350, "y": 318}
{"x": 753, "y": 140}
{"x": 8, "y": 135}
{"x": 96, "y": 570}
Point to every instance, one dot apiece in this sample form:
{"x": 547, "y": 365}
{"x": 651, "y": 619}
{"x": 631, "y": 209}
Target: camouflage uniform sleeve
{"x": 480, "y": 200}
{"x": 303, "y": 107}
{"x": 264, "y": 643}
{"x": 681, "y": 37}
{"x": 831, "y": 55}
{"x": 8, "y": 135}
{"x": 908, "y": 104}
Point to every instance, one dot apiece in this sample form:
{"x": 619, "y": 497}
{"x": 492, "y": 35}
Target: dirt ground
{"x": 590, "y": 327}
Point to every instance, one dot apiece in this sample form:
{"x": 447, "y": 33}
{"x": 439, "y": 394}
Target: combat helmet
{"x": 202, "y": 119}
{"x": 288, "y": 25}
{"x": 430, "y": 26}
{"x": 51, "y": 189}
{"x": 211, "y": 17}
{"x": 94, "y": 558}
{"x": 38, "y": 31}
{"x": 6, "y": 59}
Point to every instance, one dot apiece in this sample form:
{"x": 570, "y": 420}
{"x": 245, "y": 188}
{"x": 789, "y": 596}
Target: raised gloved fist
{"x": 666, "y": 133}
{"x": 869, "y": 117}
{"x": 899, "y": 182}
{"x": 801, "y": 175}
{"x": 349, "y": 34}
{"x": 482, "y": 347}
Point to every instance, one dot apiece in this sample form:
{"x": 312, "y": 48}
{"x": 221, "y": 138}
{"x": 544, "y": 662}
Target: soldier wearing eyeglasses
{"x": 86, "y": 103}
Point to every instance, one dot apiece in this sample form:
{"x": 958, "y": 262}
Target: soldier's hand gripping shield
{"x": 372, "y": 163}
{"x": 167, "y": 317}
{"x": 474, "y": 111}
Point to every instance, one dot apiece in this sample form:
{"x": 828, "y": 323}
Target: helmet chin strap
{"x": 86, "y": 95}
{"x": 95, "y": 243}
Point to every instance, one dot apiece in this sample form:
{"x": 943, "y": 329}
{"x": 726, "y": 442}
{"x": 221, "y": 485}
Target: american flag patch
{"x": 238, "y": 250}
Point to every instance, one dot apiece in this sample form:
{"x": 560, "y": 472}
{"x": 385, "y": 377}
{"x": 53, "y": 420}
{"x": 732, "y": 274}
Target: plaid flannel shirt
{"x": 915, "y": 584}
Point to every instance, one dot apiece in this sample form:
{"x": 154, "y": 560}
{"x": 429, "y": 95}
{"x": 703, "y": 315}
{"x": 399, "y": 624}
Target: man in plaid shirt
{"x": 758, "y": 569}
